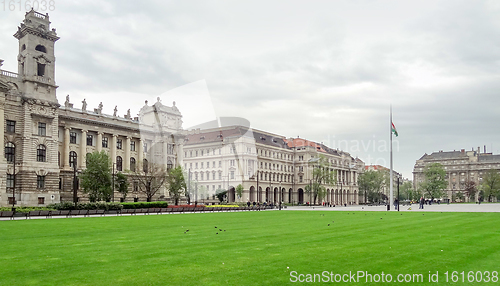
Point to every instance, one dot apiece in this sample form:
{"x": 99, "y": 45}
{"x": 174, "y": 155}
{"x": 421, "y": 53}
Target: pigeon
{"x": 224, "y": 230}
{"x": 328, "y": 224}
{"x": 220, "y": 229}
{"x": 215, "y": 227}
{"x": 216, "y": 233}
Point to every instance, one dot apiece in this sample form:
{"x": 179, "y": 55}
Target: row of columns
{"x": 112, "y": 148}
{"x": 335, "y": 197}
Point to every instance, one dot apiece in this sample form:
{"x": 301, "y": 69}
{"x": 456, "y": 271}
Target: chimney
{"x": 484, "y": 149}
{"x": 463, "y": 150}
{"x": 478, "y": 150}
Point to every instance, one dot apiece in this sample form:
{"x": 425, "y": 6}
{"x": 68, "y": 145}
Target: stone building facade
{"x": 46, "y": 143}
{"x": 270, "y": 167}
{"x": 460, "y": 166}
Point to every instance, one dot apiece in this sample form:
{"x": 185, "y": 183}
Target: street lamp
{"x": 14, "y": 186}
{"x": 280, "y": 197}
{"x": 113, "y": 179}
{"x": 75, "y": 185}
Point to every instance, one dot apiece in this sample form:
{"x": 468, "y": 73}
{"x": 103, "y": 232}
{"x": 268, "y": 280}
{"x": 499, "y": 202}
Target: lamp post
{"x": 14, "y": 187}
{"x": 280, "y": 197}
{"x": 113, "y": 184}
{"x": 75, "y": 185}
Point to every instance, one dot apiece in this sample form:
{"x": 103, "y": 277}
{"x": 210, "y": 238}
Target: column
{"x": 113, "y": 148}
{"x": 140, "y": 156}
{"x": 179, "y": 147}
{"x": 2, "y": 131}
{"x": 126, "y": 165}
{"x": 83, "y": 149}
{"x": 99, "y": 142}
{"x": 65, "y": 162}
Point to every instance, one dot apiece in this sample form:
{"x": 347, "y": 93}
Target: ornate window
{"x": 169, "y": 165}
{"x": 132, "y": 164}
{"x": 10, "y": 126}
{"x": 40, "y": 48}
{"x": 42, "y": 129}
{"x": 40, "y": 182}
{"x": 72, "y": 137}
{"x": 73, "y": 159}
{"x": 41, "y": 153}
{"x": 119, "y": 163}
{"x": 118, "y": 143}
{"x": 104, "y": 142}
{"x": 10, "y": 151}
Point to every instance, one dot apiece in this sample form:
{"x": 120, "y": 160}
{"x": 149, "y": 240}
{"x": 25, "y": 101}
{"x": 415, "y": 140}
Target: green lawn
{"x": 253, "y": 248}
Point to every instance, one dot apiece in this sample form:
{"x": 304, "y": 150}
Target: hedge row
{"x": 144, "y": 205}
{"x": 87, "y": 206}
{"x": 27, "y": 209}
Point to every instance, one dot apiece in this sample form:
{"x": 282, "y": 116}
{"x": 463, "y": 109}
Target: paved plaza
{"x": 469, "y": 207}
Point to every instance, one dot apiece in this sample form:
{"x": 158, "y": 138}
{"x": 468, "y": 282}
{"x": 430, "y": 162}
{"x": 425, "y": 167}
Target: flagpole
{"x": 391, "y": 179}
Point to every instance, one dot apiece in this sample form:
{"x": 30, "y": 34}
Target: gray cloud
{"x": 326, "y": 71}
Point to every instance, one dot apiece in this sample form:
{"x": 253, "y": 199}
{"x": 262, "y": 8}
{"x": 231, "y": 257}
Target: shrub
{"x": 27, "y": 209}
{"x": 87, "y": 206}
{"x": 187, "y": 206}
{"x": 144, "y": 205}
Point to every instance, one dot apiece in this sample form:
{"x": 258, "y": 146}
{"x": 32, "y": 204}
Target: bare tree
{"x": 151, "y": 179}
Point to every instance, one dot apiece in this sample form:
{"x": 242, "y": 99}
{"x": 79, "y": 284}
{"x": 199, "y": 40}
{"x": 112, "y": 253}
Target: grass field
{"x": 252, "y": 248}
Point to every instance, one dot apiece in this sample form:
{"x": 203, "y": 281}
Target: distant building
{"x": 460, "y": 166}
{"x": 263, "y": 163}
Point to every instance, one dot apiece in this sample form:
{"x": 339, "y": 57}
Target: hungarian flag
{"x": 394, "y": 129}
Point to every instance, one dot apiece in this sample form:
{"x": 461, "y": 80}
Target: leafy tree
{"x": 239, "y": 190}
{"x": 151, "y": 179}
{"x": 371, "y": 183}
{"x": 434, "y": 181}
{"x": 491, "y": 184}
{"x": 470, "y": 189}
{"x": 221, "y": 194}
{"x": 322, "y": 175}
{"x": 176, "y": 183}
{"x": 406, "y": 192}
{"x": 121, "y": 184}
{"x": 96, "y": 179}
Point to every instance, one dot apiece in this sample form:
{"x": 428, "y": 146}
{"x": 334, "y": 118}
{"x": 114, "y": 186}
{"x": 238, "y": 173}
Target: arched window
{"x": 41, "y": 153}
{"x": 41, "y": 48}
{"x": 169, "y": 165}
{"x": 23, "y": 47}
{"x": 145, "y": 165}
{"x": 73, "y": 159}
{"x": 10, "y": 151}
{"x": 132, "y": 164}
{"x": 119, "y": 163}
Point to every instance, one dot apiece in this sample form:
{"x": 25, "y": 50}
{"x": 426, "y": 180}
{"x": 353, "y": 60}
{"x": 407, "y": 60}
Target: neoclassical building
{"x": 270, "y": 167}
{"x": 46, "y": 143}
{"x": 460, "y": 166}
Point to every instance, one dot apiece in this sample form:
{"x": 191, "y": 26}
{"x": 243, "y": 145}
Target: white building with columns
{"x": 270, "y": 167}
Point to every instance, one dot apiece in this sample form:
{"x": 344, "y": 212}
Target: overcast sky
{"x": 322, "y": 70}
